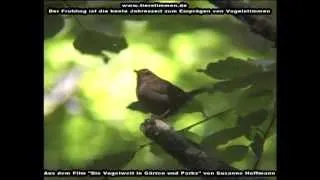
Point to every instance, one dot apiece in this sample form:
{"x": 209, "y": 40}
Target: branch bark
{"x": 63, "y": 90}
{"x": 258, "y": 24}
{"x": 187, "y": 153}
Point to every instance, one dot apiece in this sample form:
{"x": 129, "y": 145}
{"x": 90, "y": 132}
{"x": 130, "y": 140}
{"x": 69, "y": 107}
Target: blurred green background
{"x": 87, "y": 122}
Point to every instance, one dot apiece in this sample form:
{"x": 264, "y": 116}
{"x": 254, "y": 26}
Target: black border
{"x": 28, "y": 98}
{"x": 23, "y": 71}
{"x": 284, "y": 122}
{"x": 281, "y": 82}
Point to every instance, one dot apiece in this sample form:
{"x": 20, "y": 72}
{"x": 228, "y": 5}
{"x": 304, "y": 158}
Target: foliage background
{"x": 87, "y": 122}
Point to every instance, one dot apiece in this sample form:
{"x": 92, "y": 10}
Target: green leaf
{"x": 113, "y": 161}
{"x": 247, "y": 103}
{"x": 260, "y": 92}
{"x": 230, "y": 68}
{"x": 234, "y": 153}
{"x": 253, "y": 119}
{"x": 231, "y": 85}
{"x": 263, "y": 80}
{"x": 221, "y": 137}
{"x": 257, "y": 145}
{"x": 52, "y": 25}
{"x": 191, "y": 107}
{"x": 249, "y": 133}
{"x": 91, "y": 42}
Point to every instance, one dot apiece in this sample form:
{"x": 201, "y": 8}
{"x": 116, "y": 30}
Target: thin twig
{"x": 266, "y": 133}
{"x": 206, "y": 119}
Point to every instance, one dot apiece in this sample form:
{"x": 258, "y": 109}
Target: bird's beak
{"x": 136, "y": 71}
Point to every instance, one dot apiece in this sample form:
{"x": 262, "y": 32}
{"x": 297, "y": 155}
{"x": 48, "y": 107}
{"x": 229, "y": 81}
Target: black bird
{"x": 159, "y": 96}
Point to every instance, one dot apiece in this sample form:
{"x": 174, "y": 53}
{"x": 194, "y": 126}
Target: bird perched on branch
{"x": 160, "y": 97}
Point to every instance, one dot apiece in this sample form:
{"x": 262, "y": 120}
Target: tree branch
{"x": 262, "y": 25}
{"x": 63, "y": 90}
{"x": 187, "y": 153}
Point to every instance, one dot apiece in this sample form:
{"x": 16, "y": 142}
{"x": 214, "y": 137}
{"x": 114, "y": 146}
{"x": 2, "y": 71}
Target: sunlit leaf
{"x": 230, "y": 68}
{"x": 91, "y": 42}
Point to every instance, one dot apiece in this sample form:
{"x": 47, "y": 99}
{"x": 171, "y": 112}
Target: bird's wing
{"x": 176, "y": 95}
{"x": 160, "y": 87}
{"x": 177, "y": 92}
{"x": 155, "y": 95}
